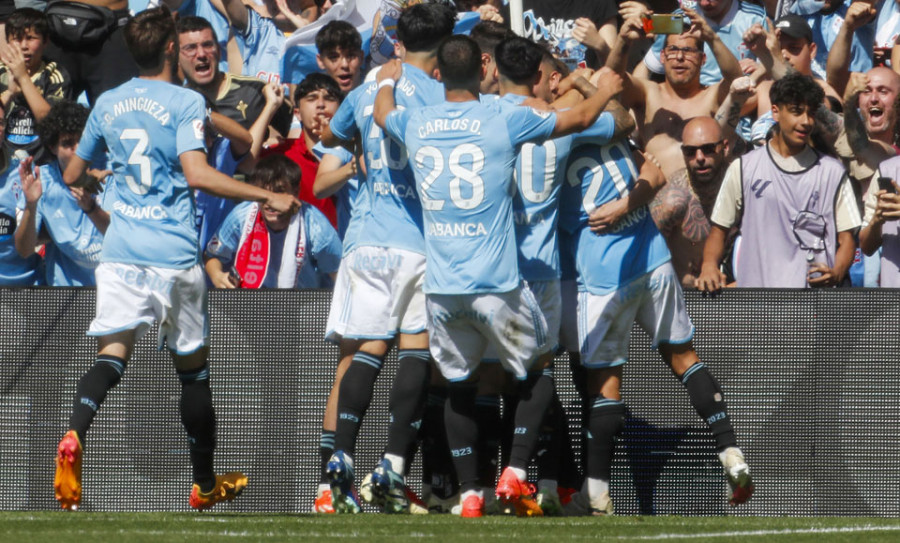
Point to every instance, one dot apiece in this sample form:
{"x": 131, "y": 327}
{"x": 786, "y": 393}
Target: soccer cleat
{"x": 472, "y": 507}
{"x": 577, "y": 505}
{"x": 340, "y": 474}
{"x": 550, "y": 503}
{"x": 67, "y": 481}
{"x": 518, "y": 494}
{"x": 738, "y": 473}
{"x": 416, "y": 505}
{"x": 227, "y": 488}
{"x": 440, "y": 505}
{"x": 389, "y": 489}
{"x": 602, "y": 506}
{"x": 323, "y": 503}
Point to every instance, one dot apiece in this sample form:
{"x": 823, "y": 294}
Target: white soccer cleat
{"x": 738, "y": 473}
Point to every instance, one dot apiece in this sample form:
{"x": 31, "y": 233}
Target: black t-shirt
{"x": 243, "y": 101}
{"x": 551, "y": 22}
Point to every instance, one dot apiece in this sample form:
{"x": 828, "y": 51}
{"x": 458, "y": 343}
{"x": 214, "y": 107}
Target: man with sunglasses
{"x": 661, "y": 109}
{"x": 795, "y": 207}
{"x": 682, "y": 208}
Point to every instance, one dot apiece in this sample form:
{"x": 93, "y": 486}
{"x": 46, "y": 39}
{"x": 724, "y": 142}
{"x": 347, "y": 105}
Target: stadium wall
{"x": 812, "y": 379}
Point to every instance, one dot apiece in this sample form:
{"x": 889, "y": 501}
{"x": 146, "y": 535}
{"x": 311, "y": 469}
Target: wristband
{"x": 387, "y": 83}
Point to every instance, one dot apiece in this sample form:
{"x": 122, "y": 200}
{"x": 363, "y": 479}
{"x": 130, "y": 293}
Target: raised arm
{"x": 201, "y": 175}
{"x": 837, "y": 69}
{"x": 259, "y": 130}
{"x": 583, "y": 115}
{"x": 236, "y": 13}
{"x": 388, "y": 75}
{"x": 26, "y": 236}
{"x": 728, "y": 64}
{"x": 635, "y": 91}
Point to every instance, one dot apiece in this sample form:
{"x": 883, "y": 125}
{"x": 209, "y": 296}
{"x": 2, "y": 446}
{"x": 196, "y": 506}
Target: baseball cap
{"x": 795, "y": 27}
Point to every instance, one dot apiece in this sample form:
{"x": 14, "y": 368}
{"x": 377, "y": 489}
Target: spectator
{"x": 15, "y": 271}
{"x": 257, "y": 247}
{"x": 846, "y": 27}
{"x": 795, "y": 207}
{"x": 663, "y": 108}
{"x": 340, "y": 54}
{"x": 69, "y": 222}
{"x": 206, "y": 9}
{"x": 93, "y": 51}
{"x": 729, "y": 19}
{"x": 238, "y": 98}
{"x": 317, "y": 98}
{"x": 28, "y": 84}
{"x": 681, "y": 209}
{"x": 579, "y": 32}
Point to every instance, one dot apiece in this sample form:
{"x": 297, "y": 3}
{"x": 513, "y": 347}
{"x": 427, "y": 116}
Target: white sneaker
{"x": 602, "y": 506}
{"x": 738, "y": 473}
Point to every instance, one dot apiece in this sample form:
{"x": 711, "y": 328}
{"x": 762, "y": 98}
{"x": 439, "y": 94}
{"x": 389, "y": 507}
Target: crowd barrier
{"x": 812, "y": 380}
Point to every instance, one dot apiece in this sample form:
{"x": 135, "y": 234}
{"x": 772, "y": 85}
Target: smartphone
{"x": 886, "y": 183}
{"x": 665, "y": 23}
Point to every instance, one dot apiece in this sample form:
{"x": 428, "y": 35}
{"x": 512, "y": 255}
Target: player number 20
{"x": 460, "y": 174}
{"x": 613, "y": 157}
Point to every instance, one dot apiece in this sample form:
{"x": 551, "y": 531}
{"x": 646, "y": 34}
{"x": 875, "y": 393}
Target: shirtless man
{"x": 661, "y": 109}
{"x": 681, "y": 209}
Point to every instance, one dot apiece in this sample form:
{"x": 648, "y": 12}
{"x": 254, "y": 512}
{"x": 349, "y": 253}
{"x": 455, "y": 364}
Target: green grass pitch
{"x": 64, "y": 527}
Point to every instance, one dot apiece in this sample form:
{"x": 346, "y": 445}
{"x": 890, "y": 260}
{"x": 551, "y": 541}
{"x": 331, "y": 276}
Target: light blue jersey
{"x": 261, "y": 45}
{"x": 74, "y": 253}
{"x": 465, "y": 155}
{"x": 540, "y": 171}
{"x": 221, "y": 28}
{"x": 322, "y": 252}
{"x": 595, "y": 175}
{"x": 15, "y": 271}
{"x": 738, "y": 20}
{"x": 147, "y": 125}
{"x": 394, "y": 214}
{"x": 825, "y": 28}
{"x": 345, "y": 198}
{"x": 212, "y": 210}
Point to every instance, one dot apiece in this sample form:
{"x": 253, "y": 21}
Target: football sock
{"x": 326, "y": 449}
{"x": 437, "y": 465}
{"x": 92, "y": 388}
{"x": 490, "y": 428}
{"x": 354, "y": 398}
{"x": 607, "y": 420}
{"x": 462, "y": 433}
{"x": 550, "y": 440}
{"x": 535, "y": 395}
{"x": 569, "y": 474}
{"x": 199, "y": 420}
{"x": 407, "y": 399}
{"x": 708, "y": 401}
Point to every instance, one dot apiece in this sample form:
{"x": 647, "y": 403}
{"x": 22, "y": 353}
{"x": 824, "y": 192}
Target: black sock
{"x": 354, "y": 398}
{"x": 199, "y": 420}
{"x": 92, "y": 388}
{"x": 490, "y": 429}
{"x": 607, "y": 420}
{"x": 549, "y": 446}
{"x": 570, "y": 476}
{"x": 407, "y": 399}
{"x": 462, "y": 433}
{"x": 437, "y": 464}
{"x": 707, "y": 399}
{"x": 326, "y": 449}
{"x": 535, "y": 395}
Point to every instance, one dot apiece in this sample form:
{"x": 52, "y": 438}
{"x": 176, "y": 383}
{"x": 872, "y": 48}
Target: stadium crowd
{"x": 479, "y": 199}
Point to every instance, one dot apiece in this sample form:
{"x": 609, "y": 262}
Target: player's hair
{"x": 146, "y": 35}
{"x": 274, "y": 171}
{"x": 338, "y": 35}
{"x": 316, "y": 81}
{"x": 518, "y": 59}
{"x": 797, "y": 89}
{"x": 24, "y": 19}
{"x": 421, "y": 27}
{"x": 555, "y": 63}
{"x": 698, "y": 43}
{"x": 459, "y": 61}
{"x": 192, "y": 23}
{"x": 64, "y": 117}
{"x": 487, "y": 34}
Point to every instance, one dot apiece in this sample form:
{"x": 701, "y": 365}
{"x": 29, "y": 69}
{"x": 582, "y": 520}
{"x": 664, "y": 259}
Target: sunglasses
{"x": 706, "y": 148}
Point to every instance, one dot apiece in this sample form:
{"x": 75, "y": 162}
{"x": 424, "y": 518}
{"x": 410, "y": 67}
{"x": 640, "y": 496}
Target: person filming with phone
{"x": 880, "y": 225}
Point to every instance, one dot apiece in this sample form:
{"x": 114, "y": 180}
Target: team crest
{"x": 198, "y": 128}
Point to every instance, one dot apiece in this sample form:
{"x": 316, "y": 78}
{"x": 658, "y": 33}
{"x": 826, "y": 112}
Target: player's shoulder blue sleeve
{"x": 343, "y": 154}
{"x": 600, "y": 132}
{"x": 92, "y": 145}
{"x": 322, "y": 238}
{"x": 224, "y": 243}
{"x": 189, "y": 123}
{"x": 343, "y": 124}
{"x": 526, "y": 124}
{"x": 395, "y": 124}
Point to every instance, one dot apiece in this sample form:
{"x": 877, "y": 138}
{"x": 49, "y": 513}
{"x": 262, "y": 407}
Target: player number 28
{"x": 458, "y": 170}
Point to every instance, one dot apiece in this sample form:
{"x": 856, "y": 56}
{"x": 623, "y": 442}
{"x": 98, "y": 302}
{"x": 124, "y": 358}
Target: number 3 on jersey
{"x": 460, "y": 174}
{"x": 139, "y": 159}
